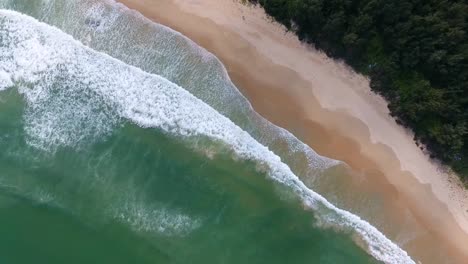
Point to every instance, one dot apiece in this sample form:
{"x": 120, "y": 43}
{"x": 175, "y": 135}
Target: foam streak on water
{"x": 36, "y": 58}
{"x": 157, "y": 49}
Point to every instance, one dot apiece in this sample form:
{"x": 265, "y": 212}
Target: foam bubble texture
{"x": 157, "y": 49}
{"x": 5, "y": 81}
{"x": 53, "y": 70}
{"x": 159, "y": 220}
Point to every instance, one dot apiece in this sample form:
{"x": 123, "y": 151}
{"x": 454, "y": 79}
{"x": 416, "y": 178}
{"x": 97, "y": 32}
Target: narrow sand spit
{"x": 329, "y": 107}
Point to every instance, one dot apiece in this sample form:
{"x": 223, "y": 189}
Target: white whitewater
{"x": 160, "y": 50}
{"x": 68, "y": 86}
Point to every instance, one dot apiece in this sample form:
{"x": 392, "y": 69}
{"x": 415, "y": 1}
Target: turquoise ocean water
{"x": 123, "y": 142}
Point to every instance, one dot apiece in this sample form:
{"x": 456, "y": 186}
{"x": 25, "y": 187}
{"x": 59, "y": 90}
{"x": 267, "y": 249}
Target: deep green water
{"x": 106, "y": 158}
{"x": 139, "y": 196}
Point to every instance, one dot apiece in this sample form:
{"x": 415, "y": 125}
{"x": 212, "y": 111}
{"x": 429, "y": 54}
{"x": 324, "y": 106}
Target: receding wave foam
{"x": 101, "y": 25}
{"x": 52, "y": 70}
{"x": 161, "y": 220}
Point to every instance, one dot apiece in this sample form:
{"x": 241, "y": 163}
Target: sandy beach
{"x": 331, "y": 108}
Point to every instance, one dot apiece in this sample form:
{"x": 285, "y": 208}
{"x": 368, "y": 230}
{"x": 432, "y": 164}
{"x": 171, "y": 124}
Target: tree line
{"x": 414, "y": 51}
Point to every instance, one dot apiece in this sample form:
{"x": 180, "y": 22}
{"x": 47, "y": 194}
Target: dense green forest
{"x": 414, "y": 51}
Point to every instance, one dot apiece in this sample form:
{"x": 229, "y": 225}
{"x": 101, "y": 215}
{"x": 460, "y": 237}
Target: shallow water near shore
{"x": 119, "y": 155}
{"x": 143, "y": 197}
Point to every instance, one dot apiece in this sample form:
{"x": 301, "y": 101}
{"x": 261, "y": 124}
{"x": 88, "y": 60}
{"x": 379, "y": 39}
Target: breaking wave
{"x": 75, "y": 94}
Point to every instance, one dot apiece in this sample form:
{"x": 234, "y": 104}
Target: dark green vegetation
{"x": 415, "y": 52}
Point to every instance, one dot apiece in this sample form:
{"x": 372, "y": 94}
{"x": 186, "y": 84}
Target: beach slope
{"x": 332, "y": 109}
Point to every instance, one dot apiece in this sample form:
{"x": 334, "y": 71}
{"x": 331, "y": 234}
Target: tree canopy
{"x": 414, "y": 51}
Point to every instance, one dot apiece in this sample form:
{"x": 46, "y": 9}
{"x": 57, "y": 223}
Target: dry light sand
{"x": 332, "y": 109}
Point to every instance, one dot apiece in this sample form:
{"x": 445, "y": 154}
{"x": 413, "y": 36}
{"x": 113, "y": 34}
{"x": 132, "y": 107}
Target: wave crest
{"x": 38, "y": 58}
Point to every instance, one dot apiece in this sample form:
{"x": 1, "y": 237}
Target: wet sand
{"x": 332, "y": 109}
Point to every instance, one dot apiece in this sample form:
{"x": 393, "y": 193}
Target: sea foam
{"x": 5, "y": 81}
{"x": 52, "y": 70}
{"x": 157, "y": 49}
{"x": 156, "y": 219}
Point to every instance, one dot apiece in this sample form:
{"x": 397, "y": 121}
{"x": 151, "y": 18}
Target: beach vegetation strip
{"x": 415, "y": 53}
